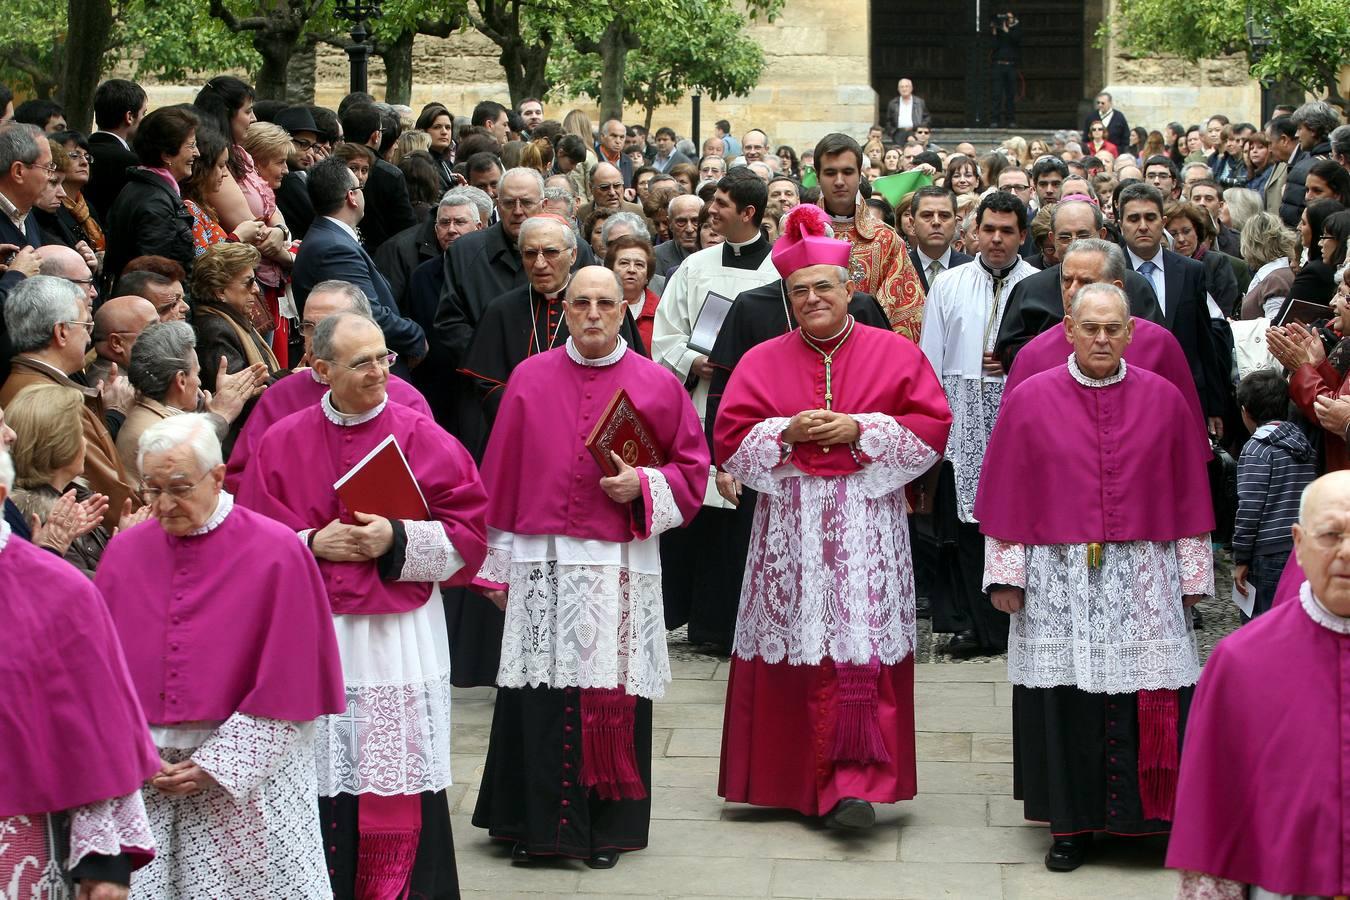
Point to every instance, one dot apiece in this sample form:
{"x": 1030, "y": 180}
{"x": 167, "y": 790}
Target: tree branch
{"x": 234, "y": 23}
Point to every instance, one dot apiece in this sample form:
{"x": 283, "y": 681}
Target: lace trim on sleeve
{"x": 1202, "y": 886}
{"x": 1196, "y": 558}
{"x": 429, "y": 555}
{"x": 109, "y": 827}
{"x": 496, "y": 568}
{"x": 756, "y": 460}
{"x": 895, "y": 454}
{"x": 245, "y": 751}
{"x": 662, "y": 512}
{"x": 1005, "y": 562}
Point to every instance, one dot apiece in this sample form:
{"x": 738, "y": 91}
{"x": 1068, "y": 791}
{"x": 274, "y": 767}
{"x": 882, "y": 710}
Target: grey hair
{"x": 1196, "y": 165}
{"x": 19, "y": 143}
{"x": 562, "y": 195}
{"x": 670, "y": 207}
{"x": 467, "y": 195}
{"x": 6, "y": 470}
{"x": 632, "y": 220}
{"x": 322, "y": 342}
{"x": 194, "y": 429}
{"x": 160, "y": 353}
{"x": 360, "y": 303}
{"x": 36, "y": 306}
{"x": 1340, "y": 140}
{"x": 1243, "y": 203}
{"x": 534, "y": 223}
{"x": 1110, "y": 290}
{"x": 1097, "y": 218}
{"x": 1115, "y": 260}
{"x": 1320, "y": 116}
{"x": 522, "y": 170}
{"x": 1265, "y": 239}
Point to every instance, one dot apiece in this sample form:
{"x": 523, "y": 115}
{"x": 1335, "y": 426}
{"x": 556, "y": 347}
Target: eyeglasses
{"x": 604, "y": 304}
{"x": 1330, "y": 540}
{"x": 50, "y": 169}
{"x": 301, "y": 144}
{"x": 610, "y": 188}
{"x": 89, "y": 325}
{"x": 383, "y": 361}
{"x": 177, "y": 491}
{"x": 549, "y": 253}
{"x": 1092, "y": 329}
{"x": 525, "y": 203}
{"x": 249, "y": 283}
{"x": 820, "y": 289}
{"x": 79, "y": 156}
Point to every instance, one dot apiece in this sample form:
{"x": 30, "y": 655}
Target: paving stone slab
{"x": 644, "y": 874}
{"x": 886, "y": 881}
{"x": 975, "y": 719}
{"x": 695, "y": 742}
{"x": 991, "y": 748}
{"x": 952, "y": 672}
{"x": 687, "y": 715}
{"x": 750, "y": 833}
{"x": 942, "y": 746}
{"x": 965, "y": 778}
{"x": 956, "y": 844}
{"x": 960, "y": 693}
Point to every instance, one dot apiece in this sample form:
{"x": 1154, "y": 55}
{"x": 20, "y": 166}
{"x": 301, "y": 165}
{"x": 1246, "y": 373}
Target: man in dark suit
{"x": 683, "y": 216}
{"x": 666, "y": 154}
{"x": 609, "y": 149}
{"x": 934, "y": 230}
{"x": 331, "y": 250}
{"x": 1117, "y": 129}
{"x": 1179, "y": 284}
{"x": 119, "y": 106}
{"x": 391, "y": 211}
{"x": 25, "y": 169}
{"x": 906, "y": 112}
{"x": 1036, "y": 304}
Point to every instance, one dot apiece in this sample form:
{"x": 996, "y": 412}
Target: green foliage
{"x": 1310, "y": 39}
{"x": 175, "y": 39}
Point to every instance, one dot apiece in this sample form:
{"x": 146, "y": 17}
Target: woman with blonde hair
{"x": 410, "y": 142}
{"x": 578, "y": 123}
{"x": 1268, "y": 248}
{"x": 48, "y": 456}
{"x": 1017, "y": 151}
{"x": 538, "y": 155}
{"x": 269, "y": 145}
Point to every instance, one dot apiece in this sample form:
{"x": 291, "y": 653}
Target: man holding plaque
{"x": 704, "y": 562}
{"x": 573, "y": 556}
{"x": 828, "y": 423}
{"x": 383, "y": 764}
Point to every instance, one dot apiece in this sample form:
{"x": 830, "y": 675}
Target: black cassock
{"x": 705, "y": 596}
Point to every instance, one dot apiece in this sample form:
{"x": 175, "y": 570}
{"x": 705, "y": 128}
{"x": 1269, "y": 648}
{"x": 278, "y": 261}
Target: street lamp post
{"x": 358, "y": 12}
{"x": 1258, "y": 40}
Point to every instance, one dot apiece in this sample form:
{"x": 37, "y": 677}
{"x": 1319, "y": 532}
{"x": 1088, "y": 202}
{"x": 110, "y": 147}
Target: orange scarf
{"x": 80, "y": 210}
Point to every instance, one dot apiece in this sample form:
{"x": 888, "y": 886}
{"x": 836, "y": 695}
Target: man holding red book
{"x": 574, "y": 559}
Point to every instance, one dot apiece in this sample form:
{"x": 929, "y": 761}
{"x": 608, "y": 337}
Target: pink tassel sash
{"x": 1158, "y": 756}
{"x": 857, "y": 735}
{"x": 608, "y": 760}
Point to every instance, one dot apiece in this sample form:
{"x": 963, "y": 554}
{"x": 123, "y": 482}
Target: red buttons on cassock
{"x": 567, "y": 709}
{"x": 567, "y": 803}
{"x": 567, "y": 784}
{"x": 562, "y": 821}
{"x": 567, "y": 728}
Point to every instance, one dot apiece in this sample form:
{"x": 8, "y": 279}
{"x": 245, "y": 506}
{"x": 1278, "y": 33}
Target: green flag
{"x": 808, "y": 176}
{"x": 895, "y": 187}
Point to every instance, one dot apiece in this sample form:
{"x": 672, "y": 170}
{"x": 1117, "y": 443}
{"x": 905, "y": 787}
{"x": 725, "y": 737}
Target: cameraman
{"x": 1007, "y": 32}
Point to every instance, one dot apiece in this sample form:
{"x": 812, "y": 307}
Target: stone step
{"x": 985, "y": 139}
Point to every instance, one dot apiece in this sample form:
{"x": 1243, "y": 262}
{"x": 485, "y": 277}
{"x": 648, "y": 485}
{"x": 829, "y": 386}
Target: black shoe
{"x": 851, "y": 812}
{"x": 1196, "y": 621}
{"x": 963, "y": 643}
{"x": 1068, "y": 853}
{"x": 519, "y": 854}
{"x": 603, "y": 859}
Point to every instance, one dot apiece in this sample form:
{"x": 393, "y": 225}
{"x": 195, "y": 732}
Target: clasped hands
{"x": 182, "y": 779}
{"x": 821, "y": 426}
{"x": 370, "y": 539}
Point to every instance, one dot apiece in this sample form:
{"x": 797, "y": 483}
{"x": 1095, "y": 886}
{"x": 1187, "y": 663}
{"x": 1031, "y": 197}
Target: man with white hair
{"x": 70, "y": 802}
{"x": 683, "y": 211}
{"x": 305, "y": 388}
{"x": 1098, "y": 577}
{"x": 384, "y": 764}
{"x": 226, "y": 629}
{"x": 1264, "y": 747}
{"x": 462, "y": 210}
{"x": 49, "y": 324}
{"x": 530, "y": 319}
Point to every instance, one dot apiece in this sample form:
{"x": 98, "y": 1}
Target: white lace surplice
{"x": 829, "y": 572}
{"x": 974, "y": 403}
{"x": 585, "y": 613}
{"x": 28, "y": 867}
{"x": 394, "y": 738}
{"x": 1116, "y": 629}
{"x": 254, "y": 835}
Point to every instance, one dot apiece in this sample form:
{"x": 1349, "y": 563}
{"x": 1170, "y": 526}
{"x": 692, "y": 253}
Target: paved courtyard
{"x": 963, "y": 836}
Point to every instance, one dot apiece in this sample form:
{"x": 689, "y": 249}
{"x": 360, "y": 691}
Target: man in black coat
{"x": 1035, "y": 304}
{"x": 119, "y": 106}
{"x": 934, "y": 210}
{"x": 293, "y": 195}
{"x": 390, "y": 211}
{"x": 25, "y": 158}
{"x": 1312, "y": 123}
{"x": 1179, "y": 284}
{"x": 1117, "y": 129}
{"x": 400, "y": 256}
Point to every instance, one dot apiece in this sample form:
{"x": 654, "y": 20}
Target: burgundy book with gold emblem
{"x": 622, "y": 429}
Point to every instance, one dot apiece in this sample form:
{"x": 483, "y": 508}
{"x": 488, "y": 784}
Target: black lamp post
{"x": 357, "y": 12}
{"x": 1258, "y": 39}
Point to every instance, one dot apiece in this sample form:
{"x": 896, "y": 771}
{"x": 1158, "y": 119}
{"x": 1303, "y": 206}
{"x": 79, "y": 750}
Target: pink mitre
{"x": 805, "y": 241}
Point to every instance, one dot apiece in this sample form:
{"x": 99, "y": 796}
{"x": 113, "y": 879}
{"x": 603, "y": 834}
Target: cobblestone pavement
{"x": 962, "y": 837}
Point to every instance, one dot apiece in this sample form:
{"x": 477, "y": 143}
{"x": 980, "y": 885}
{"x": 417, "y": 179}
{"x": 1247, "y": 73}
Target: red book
{"x": 622, "y": 429}
{"x": 382, "y": 484}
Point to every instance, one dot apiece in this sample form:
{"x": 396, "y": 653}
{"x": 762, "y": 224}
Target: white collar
{"x": 4, "y": 533}
{"x": 1319, "y": 613}
{"x": 315, "y": 375}
{"x": 741, "y": 245}
{"x": 345, "y": 227}
{"x": 1086, "y": 381}
{"x": 337, "y": 417}
{"x": 608, "y": 359}
{"x": 224, "y": 503}
{"x": 1272, "y": 266}
{"x": 1136, "y": 261}
{"x": 945, "y": 259}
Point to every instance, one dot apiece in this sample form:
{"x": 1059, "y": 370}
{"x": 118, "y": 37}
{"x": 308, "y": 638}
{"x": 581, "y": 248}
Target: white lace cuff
{"x": 757, "y": 462}
{"x": 496, "y": 569}
{"x": 1005, "y": 562}
{"x": 660, "y": 511}
{"x": 1202, "y": 886}
{"x": 109, "y": 827}
{"x": 892, "y": 455}
{"x": 245, "y": 751}
{"x": 1196, "y": 558}
{"x": 429, "y": 555}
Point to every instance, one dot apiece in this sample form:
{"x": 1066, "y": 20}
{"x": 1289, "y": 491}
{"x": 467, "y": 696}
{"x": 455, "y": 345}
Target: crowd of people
{"x": 1028, "y": 393}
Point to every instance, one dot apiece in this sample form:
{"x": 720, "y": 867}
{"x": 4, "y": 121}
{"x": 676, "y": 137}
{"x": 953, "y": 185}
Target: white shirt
{"x": 904, "y": 113}
{"x": 1156, "y": 278}
{"x": 926, "y": 261}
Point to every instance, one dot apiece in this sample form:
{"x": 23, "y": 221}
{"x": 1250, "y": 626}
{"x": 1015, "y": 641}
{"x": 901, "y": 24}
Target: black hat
{"x": 296, "y": 118}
